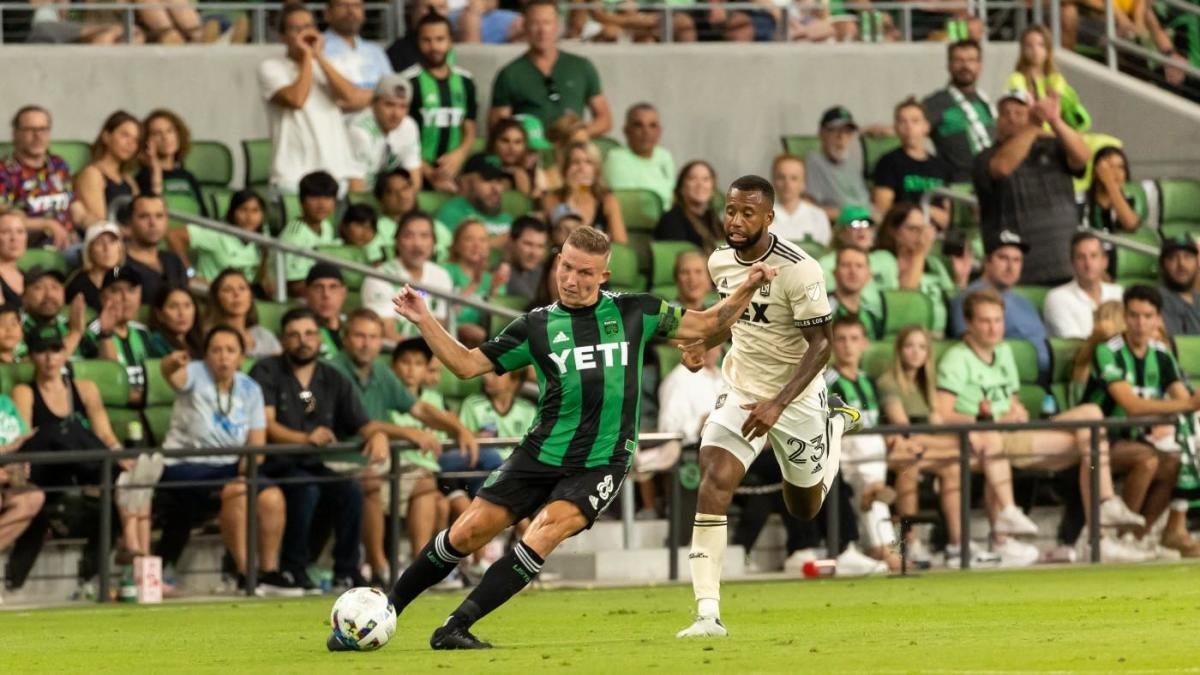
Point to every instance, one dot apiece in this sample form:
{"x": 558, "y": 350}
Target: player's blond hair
{"x": 589, "y": 240}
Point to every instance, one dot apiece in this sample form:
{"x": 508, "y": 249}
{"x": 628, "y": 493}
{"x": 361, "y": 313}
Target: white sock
{"x": 1180, "y": 505}
{"x": 709, "y": 539}
{"x": 837, "y": 427}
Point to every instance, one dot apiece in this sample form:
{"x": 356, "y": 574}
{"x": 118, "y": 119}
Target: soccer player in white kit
{"x": 774, "y": 388}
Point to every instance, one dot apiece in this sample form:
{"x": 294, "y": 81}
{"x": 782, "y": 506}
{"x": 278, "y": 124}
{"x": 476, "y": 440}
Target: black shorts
{"x": 524, "y": 485}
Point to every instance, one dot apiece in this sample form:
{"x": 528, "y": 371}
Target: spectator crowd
{"x": 389, "y": 159}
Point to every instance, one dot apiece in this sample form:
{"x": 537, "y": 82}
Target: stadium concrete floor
{"x": 1079, "y": 619}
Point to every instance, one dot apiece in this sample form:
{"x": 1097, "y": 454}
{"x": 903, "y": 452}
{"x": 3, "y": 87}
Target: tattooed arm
{"x": 720, "y": 317}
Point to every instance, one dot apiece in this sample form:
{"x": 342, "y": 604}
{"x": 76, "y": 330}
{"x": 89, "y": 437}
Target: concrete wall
{"x": 726, "y": 103}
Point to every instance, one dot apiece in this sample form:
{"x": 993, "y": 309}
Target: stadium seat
{"x": 905, "y": 308}
{"x": 12, "y": 374}
{"x": 1025, "y": 356}
{"x": 430, "y": 202}
{"x": 1180, "y": 229}
{"x": 662, "y": 264}
{"x": 514, "y": 302}
{"x": 799, "y": 144}
{"x": 812, "y": 248}
{"x": 270, "y": 314}
{"x": 110, "y": 379}
{"x": 217, "y": 199}
{"x": 1132, "y": 263}
{"x": 640, "y": 209}
{"x": 43, "y": 256}
{"x": 159, "y": 419}
{"x": 515, "y": 203}
{"x": 1187, "y": 350}
{"x": 158, "y": 390}
{"x": 1062, "y": 358}
{"x": 873, "y": 148}
{"x": 6, "y": 148}
{"x": 367, "y": 198}
{"x": 182, "y": 202}
{"x": 453, "y": 388}
{"x": 1034, "y": 294}
{"x": 669, "y": 356}
{"x": 878, "y": 358}
{"x": 1180, "y": 199}
{"x": 1126, "y": 282}
{"x": 604, "y": 144}
{"x": 1139, "y": 201}
{"x": 1032, "y": 397}
{"x": 640, "y": 243}
{"x": 257, "y": 154}
{"x": 291, "y": 207}
{"x": 211, "y": 162}
{"x": 76, "y": 154}
{"x": 624, "y": 267}
{"x": 354, "y": 280}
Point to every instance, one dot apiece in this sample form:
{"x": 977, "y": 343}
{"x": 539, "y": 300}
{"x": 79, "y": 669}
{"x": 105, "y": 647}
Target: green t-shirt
{"x": 428, "y": 395}
{"x": 12, "y": 424}
{"x": 858, "y": 393}
{"x": 623, "y": 170}
{"x": 383, "y": 246}
{"x": 212, "y": 252}
{"x": 382, "y": 393}
{"x": 867, "y": 315}
{"x": 885, "y": 276}
{"x": 132, "y": 350}
{"x": 298, "y": 233}
{"x": 482, "y": 418}
{"x": 962, "y": 373}
{"x": 573, "y": 81}
{"x": 1150, "y": 376}
{"x": 461, "y": 280}
{"x": 457, "y": 209}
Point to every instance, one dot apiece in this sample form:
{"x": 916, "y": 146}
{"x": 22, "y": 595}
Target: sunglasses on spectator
{"x": 552, "y": 90}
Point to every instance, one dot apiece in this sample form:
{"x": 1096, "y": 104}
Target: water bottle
{"x": 128, "y": 590}
{"x": 814, "y": 569}
{"x": 135, "y": 435}
{"x": 1049, "y": 406}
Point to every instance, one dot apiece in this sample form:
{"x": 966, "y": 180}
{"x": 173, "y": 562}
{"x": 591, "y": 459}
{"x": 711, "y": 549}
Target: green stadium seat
{"x": 6, "y": 148}
{"x": 1132, "y": 263}
{"x": 211, "y": 162}
{"x": 270, "y": 314}
{"x": 1187, "y": 350}
{"x": 640, "y": 209}
{"x": 42, "y": 256}
{"x": 218, "y": 200}
{"x": 158, "y": 390}
{"x": 662, "y": 263}
{"x": 604, "y": 144}
{"x": 515, "y": 203}
{"x": 120, "y": 418}
{"x": 1180, "y": 229}
{"x": 182, "y": 202}
{"x": 291, "y": 207}
{"x": 1032, "y": 396}
{"x": 669, "y": 356}
{"x": 905, "y": 308}
{"x": 1062, "y": 393}
{"x": 1026, "y": 358}
{"x": 799, "y": 144}
{"x": 354, "y": 280}
{"x": 640, "y": 243}
{"x": 257, "y": 153}
{"x": 159, "y": 419}
{"x": 1062, "y": 358}
{"x": 109, "y": 376}
{"x": 514, "y": 302}
{"x": 1180, "y": 199}
{"x": 76, "y": 154}
{"x": 367, "y": 198}
{"x": 873, "y": 148}
{"x": 12, "y": 374}
{"x": 878, "y": 358}
{"x": 1126, "y": 282}
{"x": 430, "y": 202}
{"x": 1034, "y": 294}
{"x": 1140, "y": 203}
{"x": 812, "y": 248}
{"x": 626, "y": 276}
{"x": 453, "y": 388}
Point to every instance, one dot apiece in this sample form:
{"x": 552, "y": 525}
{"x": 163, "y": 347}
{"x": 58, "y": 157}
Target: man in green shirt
{"x": 1134, "y": 374}
{"x": 483, "y": 184}
{"x": 382, "y": 395}
{"x": 854, "y": 227}
{"x": 546, "y": 82}
{"x": 318, "y": 198}
{"x": 642, "y": 164}
{"x": 116, "y": 335}
{"x": 978, "y": 380}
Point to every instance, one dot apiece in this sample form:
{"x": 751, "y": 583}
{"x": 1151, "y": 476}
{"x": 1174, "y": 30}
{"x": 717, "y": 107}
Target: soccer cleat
{"x": 334, "y": 643}
{"x": 1012, "y": 521}
{"x": 704, "y": 626}
{"x": 455, "y": 636}
{"x": 852, "y": 416}
{"x": 274, "y": 585}
{"x": 1114, "y": 513}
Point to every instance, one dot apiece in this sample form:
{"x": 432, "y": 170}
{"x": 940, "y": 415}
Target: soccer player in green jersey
{"x": 587, "y": 350}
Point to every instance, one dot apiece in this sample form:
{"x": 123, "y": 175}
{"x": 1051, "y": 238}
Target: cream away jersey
{"x": 767, "y": 339}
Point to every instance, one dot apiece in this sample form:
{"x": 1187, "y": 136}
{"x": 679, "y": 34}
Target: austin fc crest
{"x": 610, "y": 327}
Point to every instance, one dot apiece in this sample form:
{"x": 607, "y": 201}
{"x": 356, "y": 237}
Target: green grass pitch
{"x": 1142, "y": 619}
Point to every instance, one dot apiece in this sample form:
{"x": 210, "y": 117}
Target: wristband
{"x": 104, "y": 334}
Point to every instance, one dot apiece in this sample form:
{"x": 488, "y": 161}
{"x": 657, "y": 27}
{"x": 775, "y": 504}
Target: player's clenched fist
{"x": 761, "y": 273}
{"x": 410, "y": 305}
{"x": 693, "y": 355}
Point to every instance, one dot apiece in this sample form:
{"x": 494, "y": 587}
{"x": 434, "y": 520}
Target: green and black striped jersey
{"x": 589, "y": 369}
{"x": 1150, "y": 376}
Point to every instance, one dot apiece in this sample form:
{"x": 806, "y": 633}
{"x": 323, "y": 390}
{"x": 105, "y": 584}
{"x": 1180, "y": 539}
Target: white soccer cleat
{"x": 1012, "y": 521}
{"x": 1014, "y": 553}
{"x": 854, "y": 563}
{"x": 704, "y": 626}
{"x": 1114, "y": 513}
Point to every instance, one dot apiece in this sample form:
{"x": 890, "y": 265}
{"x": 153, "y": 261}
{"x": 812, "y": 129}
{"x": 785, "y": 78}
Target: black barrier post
{"x": 105, "y": 543}
{"x": 251, "y": 524}
{"x": 1094, "y": 506}
{"x": 833, "y": 513}
{"x": 964, "y": 482}
{"x": 393, "y": 516}
{"x": 673, "y": 506}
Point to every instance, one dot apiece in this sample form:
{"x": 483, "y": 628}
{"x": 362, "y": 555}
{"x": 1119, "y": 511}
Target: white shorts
{"x": 800, "y": 437}
{"x": 864, "y": 460}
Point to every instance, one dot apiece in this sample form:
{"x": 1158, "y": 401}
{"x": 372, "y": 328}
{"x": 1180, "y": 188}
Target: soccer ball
{"x": 363, "y": 619}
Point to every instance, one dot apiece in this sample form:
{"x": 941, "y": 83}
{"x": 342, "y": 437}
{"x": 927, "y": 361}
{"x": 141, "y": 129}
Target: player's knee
{"x": 555, "y": 524}
{"x": 803, "y": 503}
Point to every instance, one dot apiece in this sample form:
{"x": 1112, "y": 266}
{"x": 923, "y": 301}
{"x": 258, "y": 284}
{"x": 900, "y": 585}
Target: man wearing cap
{"x": 835, "y": 170}
{"x": 384, "y": 137}
{"x": 1024, "y": 184}
{"x": 1001, "y": 270}
{"x": 961, "y": 118}
{"x": 443, "y": 104}
{"x": 1069, "y": 309}
{"x": 483, "y": 183}
{"x": 155, "y": 265}
{"x": 855, "y": 228}
{"x": 642, "y": 164}
{"x": 361, "y": 61}
{"x": 1181, "y": 301}
{"x": 116, "y": 335}
{"x": 41, "y": 303}
{"x": 325, "y": 294}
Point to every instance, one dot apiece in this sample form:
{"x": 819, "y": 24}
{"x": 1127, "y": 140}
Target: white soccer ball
{"x": 363, "y": 619}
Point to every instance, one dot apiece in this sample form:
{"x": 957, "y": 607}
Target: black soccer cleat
{"x": 453, "y": 636}
{"x": 335, "y": 644}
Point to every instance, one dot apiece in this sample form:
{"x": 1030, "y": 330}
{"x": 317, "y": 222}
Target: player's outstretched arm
{"x": 464, "y": 363}
{"x": 721, "y": 316}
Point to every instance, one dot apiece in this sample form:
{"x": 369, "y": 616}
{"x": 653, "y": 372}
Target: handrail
{"x": 359, "y": 268}
{"x": 1113, "y": 41}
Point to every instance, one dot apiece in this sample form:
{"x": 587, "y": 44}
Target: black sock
{"x": 504, "y": 579}
{"x": 435, "y": 562}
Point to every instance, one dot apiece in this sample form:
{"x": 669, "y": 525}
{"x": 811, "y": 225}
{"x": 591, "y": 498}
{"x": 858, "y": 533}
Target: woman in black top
{"x": 693, "y": 217}
{"x": 175, "y": 323}
{"x": 165, "y": 144}
{"x": 1107, "y": 207}
{"x": 13, "y": 242}
{"x": 584, "y": 192}
{"x": 102, "y": 251}
{"x": 109, "y": 176}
